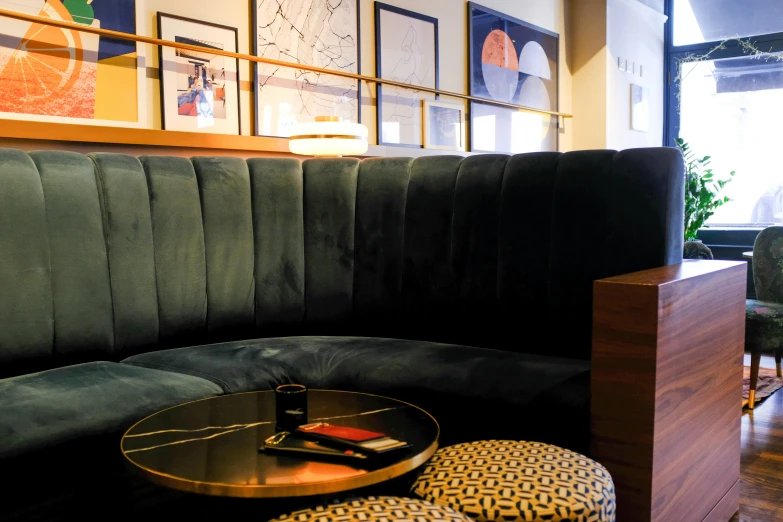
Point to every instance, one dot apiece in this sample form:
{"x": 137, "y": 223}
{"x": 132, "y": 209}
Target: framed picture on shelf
{"x": 406, "y": 51}
{"x": 199, "y": 90}
{"x": 443, "y": 125}
{"x": 516, "y": 62}
{"x": 61, "y": 75}
{"x": 321, "y": 33}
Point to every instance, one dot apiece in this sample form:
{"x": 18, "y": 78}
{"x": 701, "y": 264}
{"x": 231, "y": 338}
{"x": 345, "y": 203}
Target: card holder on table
{"x": 350, "y": 438}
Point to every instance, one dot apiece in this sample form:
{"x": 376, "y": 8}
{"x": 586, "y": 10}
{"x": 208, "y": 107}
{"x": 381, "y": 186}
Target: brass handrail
{"x": 258, "y": 59}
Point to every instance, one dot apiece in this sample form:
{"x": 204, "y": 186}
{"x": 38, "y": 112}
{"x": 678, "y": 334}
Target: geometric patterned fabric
{"x": 517, "y": 481}
{"x": 764, "y": 318}
{"x": 763, "y": 326}
{"x": 377, "y": 509}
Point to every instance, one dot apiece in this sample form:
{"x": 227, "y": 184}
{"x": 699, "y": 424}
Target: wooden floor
{"x": 761, "y": 496}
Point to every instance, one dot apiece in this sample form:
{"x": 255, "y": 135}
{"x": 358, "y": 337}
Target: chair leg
{"x": 778, "y": 353}
{"x": 755, "y": 362}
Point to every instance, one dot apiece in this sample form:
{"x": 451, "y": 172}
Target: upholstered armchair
{"x": 764, "y": 317}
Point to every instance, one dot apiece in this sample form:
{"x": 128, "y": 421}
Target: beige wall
{"x": 587, "y": 21}
{"x": 452, "y": 25}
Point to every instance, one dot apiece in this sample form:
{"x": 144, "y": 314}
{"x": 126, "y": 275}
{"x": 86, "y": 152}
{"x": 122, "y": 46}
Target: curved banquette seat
{"x": 461, "y": 284}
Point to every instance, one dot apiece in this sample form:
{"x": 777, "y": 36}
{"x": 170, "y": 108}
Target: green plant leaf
{"x": 702, "y": 190}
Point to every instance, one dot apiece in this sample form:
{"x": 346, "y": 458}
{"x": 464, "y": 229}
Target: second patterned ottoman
{"x": 376, "y": 509}
{"x": 517, "y": 481}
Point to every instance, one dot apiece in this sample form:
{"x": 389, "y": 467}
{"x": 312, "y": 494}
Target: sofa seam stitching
{"x": 103, "y": 202}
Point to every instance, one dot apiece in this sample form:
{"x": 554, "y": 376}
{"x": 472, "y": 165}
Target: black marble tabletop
{"x": 212, "y": 446}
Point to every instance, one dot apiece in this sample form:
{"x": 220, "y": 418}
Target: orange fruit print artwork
{"x": 52, "y": 71}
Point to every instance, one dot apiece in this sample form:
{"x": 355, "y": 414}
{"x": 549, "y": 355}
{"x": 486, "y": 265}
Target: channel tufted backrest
{"x": 81, "y": 291}
{"x": 107, "y": 255}
{"x": 127, "y": 227}
{"x": 277, "y": 193}
{"x": 26, "y": 312}
{"x": 227, "y": 214}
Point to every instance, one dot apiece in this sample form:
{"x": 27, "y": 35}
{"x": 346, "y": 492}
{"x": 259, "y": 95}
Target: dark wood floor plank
{"x": 761, "y": 476}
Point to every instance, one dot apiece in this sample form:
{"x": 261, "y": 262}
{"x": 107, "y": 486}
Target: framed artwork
{"x": 322, "y": 33}
{"x": 640, "y": 108}
{"x": 444, "y": 125}
{"x": 66, "y": 76}
{"x": 199, "y": 91}
{"x": 516, "y": 62}
{"x": 406, "y": 50}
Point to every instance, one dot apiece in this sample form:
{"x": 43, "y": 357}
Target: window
{"x": 727, "y": 103}
{"x": 699, "y": 21}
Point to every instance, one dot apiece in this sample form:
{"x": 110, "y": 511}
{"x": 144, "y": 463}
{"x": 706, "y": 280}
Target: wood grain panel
{"x": 36, "y": 130}
{"x": 667, "y": 388}
{"x": 727, "y": 506}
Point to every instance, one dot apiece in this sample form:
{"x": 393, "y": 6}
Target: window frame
{"x": 772, "y": 42}
{"x": 727, "y": 242}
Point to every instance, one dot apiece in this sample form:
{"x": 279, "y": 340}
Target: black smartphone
{"x": 283, "y": 443}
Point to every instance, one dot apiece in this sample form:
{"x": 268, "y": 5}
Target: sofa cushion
{"x": 224, "y": 187}
{"x": 45, "y": 409}
{"x": 178, "y": 237}
{"x": 277, "y": 189}
{"x": 26, "y": 312}
{"x": 81, "y": 291}
{"x": 127, "y": 227}
{"x": 466, "y": 389}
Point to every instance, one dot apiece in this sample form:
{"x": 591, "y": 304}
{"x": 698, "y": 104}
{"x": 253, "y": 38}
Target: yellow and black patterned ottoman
{"x": 516, "y": 481}
{"x": 377, "y": 509}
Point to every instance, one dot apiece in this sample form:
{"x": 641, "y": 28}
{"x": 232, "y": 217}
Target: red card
{"x": 345, "y": 433}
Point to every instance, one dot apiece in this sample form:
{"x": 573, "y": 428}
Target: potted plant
{"x": 702, "y": 195}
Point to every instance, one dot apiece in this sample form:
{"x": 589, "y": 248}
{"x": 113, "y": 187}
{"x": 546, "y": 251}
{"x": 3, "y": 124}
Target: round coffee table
{"x": 211, "y": 446}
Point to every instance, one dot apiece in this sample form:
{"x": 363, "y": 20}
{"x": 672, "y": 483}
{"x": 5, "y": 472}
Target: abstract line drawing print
{"x": 401, "y": 116}
{"x": 322, "y": 33}
{"x": 407, "y": 49}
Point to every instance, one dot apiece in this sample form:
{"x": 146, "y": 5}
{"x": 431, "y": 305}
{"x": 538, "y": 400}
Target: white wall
{"x": 453, "y": 35}
{"x": 658, "y": 5}
{"x": 603, "y": 31}
{"x": 635, "y": 34}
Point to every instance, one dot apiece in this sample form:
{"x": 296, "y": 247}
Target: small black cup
{"x": 290, "y": 406}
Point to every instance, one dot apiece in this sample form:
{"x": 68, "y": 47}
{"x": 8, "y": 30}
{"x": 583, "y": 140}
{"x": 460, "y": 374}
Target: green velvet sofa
{"x": 128, "y": 285}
